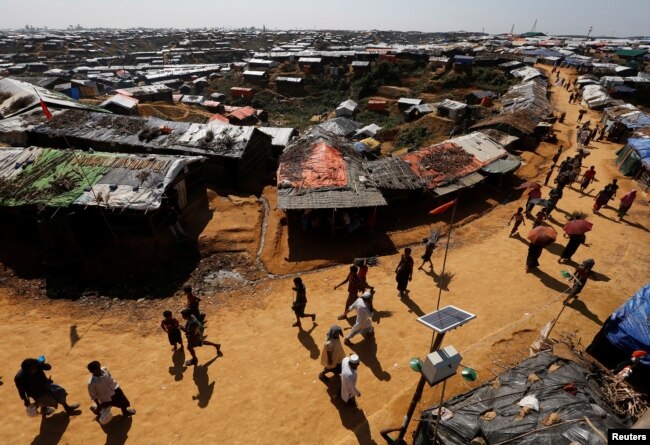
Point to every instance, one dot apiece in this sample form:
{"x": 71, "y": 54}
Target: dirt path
{"x": 265, "y": 387}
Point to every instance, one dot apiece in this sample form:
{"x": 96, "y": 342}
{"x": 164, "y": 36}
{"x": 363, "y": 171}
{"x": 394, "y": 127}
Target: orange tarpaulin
{"x": 323, "y": 167}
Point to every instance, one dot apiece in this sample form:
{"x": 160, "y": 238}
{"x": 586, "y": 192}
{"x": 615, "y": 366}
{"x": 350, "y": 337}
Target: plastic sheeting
{"x": 628, "y": 328}
{"x": 469, "y": 409}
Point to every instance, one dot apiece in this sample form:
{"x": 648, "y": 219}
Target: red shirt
{"x": 519, "y": 217}
{"x": 169, "y": 323}
{"x": 589, "y": 174}
{"x": 363, "y": 271}
{"x": 534, "y": 194}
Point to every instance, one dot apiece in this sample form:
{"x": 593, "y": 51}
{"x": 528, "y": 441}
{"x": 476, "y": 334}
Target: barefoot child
{"x": 519, "y": 219}
{"x": 300, "y": 302}
{"x": 171, "y": 326}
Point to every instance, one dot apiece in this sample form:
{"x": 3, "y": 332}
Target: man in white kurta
{"x": 349, "y": 379}
{"x": 363, "y": 323}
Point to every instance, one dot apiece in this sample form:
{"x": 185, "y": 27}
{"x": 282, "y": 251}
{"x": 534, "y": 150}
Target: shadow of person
{"x": 74, "y": 336}
{"x": 352, "y": 417}
{"x": 636, "y": 225}
{"x": 52, "y": 429}
{"x": 367, "y": 352}
{"x": 581, "y": 307}
{"x": 602, "y": 215}
{"x": 203, "y": 384}
{"x": 117, "y": 430}
{"x": 308, "y": 342}
{"x": 555, "y": 248}
{"x": 597, "y": 276}
{"x": 411, "y": 305}
{"x": 443, "y": 280}
{"x": 178, "y": 359}
{"x": 378, "y": 315}
{"x": 549, "y": 281}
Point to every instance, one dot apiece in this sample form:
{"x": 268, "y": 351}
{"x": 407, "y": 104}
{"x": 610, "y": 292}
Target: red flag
{"x": 442, "y": 208}
{"x": 46, "y": 112}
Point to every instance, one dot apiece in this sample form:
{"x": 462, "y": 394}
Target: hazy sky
{"x": 608, "y": 17}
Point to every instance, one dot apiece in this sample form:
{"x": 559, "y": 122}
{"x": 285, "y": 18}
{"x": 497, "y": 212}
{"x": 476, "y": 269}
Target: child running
{"x": 172, "y": 327}
{"x": 300, "y": 302}
{"x": 519, "y": 220}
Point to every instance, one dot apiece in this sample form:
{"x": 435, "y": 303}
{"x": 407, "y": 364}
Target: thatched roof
{"x": 392, "y": 174}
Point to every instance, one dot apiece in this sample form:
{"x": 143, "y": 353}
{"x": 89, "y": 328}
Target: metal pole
{"x": 444, "y": 261}
{"x": 418, "y": 390}
{"x": 442, "y": 399}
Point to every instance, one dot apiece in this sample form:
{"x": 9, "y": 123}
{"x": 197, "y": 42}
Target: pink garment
{"x": 534, "y": 194}
{"x": 628, "y": 199}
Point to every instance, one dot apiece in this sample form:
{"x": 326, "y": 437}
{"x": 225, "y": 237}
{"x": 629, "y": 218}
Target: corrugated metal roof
{"x": 122, "y": 101}
{"x": 281, "y": 136}
{"x": 480, "y": 146}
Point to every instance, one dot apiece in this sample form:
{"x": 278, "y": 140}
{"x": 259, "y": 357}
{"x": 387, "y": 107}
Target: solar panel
{"x": 446, "y": 319}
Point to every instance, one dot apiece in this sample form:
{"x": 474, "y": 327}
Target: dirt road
{"x": 265, "y": 387}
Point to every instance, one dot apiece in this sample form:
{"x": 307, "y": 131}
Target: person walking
{"x": 353, "y": 289}
{"x": 300, "y": 302}
{"x": 579, "y": 278}
{"x": 363, "y": 323}
{"x": 518, "y": 217}
{"x": 571, "y": 247}
{"x": 626, "y": 202}
{"x": 556, "y": 156}
{"x": 105, "y": 391}
{"x": 404, "y": 272}
{"x": 601, "y": 199}
{"x": 194, "y": 332}
{"x": 193, "y": 303}
{"x": 362, "y": 274}
{"x": 532, "y": 259}
{"x": 554, "y": 197}
{"x": 429, "y": 247}
{"x": 332, "y": 354}
{"x": 32, "y": 383}
{"x": 349, "y": 391}
{"x": 540, "y": 218}
{"x": 549, "y": 174}
{"x": 587, "y": 178}
{"x": 580, "y": 116}
{"x": 532, "y": 194}
{"x": 562, "y": 116}
{"x": 171, "y": 326}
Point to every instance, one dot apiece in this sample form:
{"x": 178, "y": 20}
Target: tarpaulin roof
{"x": 61, "y": 178}
{"x": 323, "y": 166}
{"x": 17, "y": 97}
{"x": 442, "y": 163}
{"x": 481, "y": 146}
{"x": 530, "y": 96}
{"x": 595, "y": 95}
{"x": 506, "y": 425}
{"x": 628, "y": 328}
{"x": 502, "y": 166}
{"x": 323, "y": 171}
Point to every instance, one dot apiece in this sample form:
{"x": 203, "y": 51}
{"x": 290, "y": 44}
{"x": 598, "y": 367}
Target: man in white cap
{"x": 363, "y": 323}
{"x": 349, "y": 379}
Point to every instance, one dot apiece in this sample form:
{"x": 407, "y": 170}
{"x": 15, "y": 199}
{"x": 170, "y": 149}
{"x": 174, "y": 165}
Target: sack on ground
{"x": 105, "y": 416}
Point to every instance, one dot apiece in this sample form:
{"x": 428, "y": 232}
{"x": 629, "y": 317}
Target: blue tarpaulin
{"x": 628, "y": 328}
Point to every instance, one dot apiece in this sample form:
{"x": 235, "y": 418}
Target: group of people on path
{"x": 40, "y": 394}
{"x": 193, "y": 328}
{"x": 360, "y": 297}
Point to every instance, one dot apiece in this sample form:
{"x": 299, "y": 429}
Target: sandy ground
{"x": 265, "y": 387}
